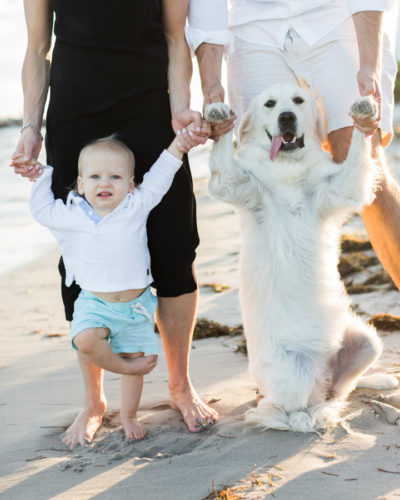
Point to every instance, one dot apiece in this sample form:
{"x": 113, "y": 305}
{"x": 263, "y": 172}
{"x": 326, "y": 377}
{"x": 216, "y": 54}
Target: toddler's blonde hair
{"x": 110, "y": 143}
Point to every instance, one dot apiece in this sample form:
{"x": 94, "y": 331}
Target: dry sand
{"x": 41, "y": 392}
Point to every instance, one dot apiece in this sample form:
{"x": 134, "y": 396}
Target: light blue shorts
{"x": 131, "y": 324}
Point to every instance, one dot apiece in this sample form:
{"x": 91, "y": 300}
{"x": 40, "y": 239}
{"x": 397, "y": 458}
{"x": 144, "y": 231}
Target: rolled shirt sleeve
{"x": 363, "y": 5}
{"x": 208, "y": 23}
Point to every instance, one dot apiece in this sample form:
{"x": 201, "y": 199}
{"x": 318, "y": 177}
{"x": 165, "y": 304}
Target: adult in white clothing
{"x": 338, "y": 47}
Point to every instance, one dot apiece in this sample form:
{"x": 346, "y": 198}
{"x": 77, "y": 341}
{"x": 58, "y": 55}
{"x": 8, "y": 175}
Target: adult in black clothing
{"x": 120, "y": 67}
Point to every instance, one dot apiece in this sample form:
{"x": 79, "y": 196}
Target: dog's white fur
{"x": 306, "y": 349}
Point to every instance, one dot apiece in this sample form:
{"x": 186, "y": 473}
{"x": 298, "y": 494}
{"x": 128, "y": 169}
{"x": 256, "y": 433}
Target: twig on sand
{"x": 40, "y": 457}
{"x": 388, "y": 471}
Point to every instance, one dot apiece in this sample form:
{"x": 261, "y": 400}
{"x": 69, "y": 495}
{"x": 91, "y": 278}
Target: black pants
{"x": 143, "y": 122}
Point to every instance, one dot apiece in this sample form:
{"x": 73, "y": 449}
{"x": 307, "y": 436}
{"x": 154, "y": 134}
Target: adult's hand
{"x": 26, "y": 153}
{"x": 369, "y": 30}
{"x": 368, "y": 84}
{"x": 200, "y": 130}
{"x": 216, "y": 93}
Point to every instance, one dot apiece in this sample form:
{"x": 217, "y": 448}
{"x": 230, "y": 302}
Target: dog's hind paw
{"x": 325, "y": 414}
{"x": 378, "y": 381}
{"x": 217, "y": 112}
{"x": 299, "y": 421}
{"x": 365, "y": 107}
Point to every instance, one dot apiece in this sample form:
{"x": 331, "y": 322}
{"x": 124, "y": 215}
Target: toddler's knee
{"x": 86, "y": 341}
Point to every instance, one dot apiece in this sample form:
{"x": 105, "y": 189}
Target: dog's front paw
{"x": 365, "y": 107}
{"x": 217, "y": 112}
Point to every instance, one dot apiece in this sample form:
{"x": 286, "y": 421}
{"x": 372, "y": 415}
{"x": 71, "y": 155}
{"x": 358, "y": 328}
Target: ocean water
{"x": 12, "y": 49}
{"x": 22, "y": 239}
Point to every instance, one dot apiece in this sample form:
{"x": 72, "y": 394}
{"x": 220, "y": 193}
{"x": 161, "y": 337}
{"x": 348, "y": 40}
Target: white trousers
{"x": 329, "y": 68}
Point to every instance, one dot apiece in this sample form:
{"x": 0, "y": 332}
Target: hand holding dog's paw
{"x": 218, "y": 112}
{"x": 365, "y": 114}
{"x": 365, "y": 107}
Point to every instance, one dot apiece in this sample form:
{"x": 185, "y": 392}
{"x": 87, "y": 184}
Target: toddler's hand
{"x": 192, "y": 136}
{"x": 31, "y": 169}
{"x": 35, "y": 170}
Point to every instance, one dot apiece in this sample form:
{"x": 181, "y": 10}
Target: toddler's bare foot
{"x": 197, "y": 415}
{"x": 133, "y": 430}
{"x": 85, "y": 425}
{"x": 141, "y": 365}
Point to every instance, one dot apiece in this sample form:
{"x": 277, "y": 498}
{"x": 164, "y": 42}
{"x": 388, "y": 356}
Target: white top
{"x": 106, "y": 254}
{"x": 311, "y": 19}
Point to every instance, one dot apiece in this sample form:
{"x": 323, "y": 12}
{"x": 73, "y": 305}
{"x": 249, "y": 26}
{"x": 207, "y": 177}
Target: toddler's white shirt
{"x": 106, "y": 254}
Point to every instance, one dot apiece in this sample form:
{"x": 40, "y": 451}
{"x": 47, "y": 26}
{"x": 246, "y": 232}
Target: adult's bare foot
{"x": 85, "y": 425}
{"x": 197, "y": 415}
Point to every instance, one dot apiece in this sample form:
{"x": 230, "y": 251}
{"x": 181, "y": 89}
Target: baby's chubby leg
{"x": 92, "y": 343}
{"x": 131, "y": 390}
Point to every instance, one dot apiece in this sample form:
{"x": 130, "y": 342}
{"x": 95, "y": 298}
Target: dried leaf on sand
{"x": 217, "y": 287}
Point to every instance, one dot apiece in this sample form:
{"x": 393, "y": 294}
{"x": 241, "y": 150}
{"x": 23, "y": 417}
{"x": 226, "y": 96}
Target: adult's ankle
{"x": 97, "y": 406}
{"x": 180, "y": 387}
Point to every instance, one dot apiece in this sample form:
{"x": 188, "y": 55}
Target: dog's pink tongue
{"x": 275, "y": 147}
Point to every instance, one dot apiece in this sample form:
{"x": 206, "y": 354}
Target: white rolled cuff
{"x": 195, "y": 37}
{"x": 363, "y": 5}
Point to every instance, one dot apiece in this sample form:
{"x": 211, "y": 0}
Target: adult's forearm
{"x": 209, "y": 58}
{"x": 179, "y": 74}
{"x": 35, "y": 83}
{"x": 368, "y": 26}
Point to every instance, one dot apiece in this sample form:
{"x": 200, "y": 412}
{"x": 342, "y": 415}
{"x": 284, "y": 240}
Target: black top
{"x": 105, "y": 51}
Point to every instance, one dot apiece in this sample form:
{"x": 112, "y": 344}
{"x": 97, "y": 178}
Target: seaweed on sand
{"x": 205, "y": 328}
{"x": 355, "y": 262}
{"x": 385, "y": 322}
{"x": 353, "y": 243}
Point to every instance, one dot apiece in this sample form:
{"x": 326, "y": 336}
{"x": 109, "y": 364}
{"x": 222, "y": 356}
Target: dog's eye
{"x": 270, "y": 103}
{"x": 298, "y": 100}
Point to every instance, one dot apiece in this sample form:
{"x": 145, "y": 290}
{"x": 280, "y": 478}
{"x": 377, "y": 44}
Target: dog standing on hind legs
{"x": 306, "y": 349}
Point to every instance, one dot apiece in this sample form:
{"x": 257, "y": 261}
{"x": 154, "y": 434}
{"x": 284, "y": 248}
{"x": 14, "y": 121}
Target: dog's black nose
{"x": 287, "y": 120}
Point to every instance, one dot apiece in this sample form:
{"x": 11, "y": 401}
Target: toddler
{"x": 101, "y": 231}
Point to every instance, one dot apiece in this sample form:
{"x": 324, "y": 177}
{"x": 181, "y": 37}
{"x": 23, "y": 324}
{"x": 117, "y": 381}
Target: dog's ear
{"x": 246, "y": 126}
{"x": 319, "y": 122}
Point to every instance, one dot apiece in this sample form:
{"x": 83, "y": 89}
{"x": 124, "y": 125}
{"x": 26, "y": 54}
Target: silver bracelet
{"x": 34, "y": 128}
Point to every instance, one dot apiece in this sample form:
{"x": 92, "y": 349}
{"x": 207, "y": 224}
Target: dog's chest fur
{"x": 286, "y": 243}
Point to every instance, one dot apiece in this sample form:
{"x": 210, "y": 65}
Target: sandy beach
{"x": 41, "y": 392}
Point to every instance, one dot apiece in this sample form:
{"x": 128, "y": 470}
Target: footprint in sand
{"x": 387, "y": 408}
